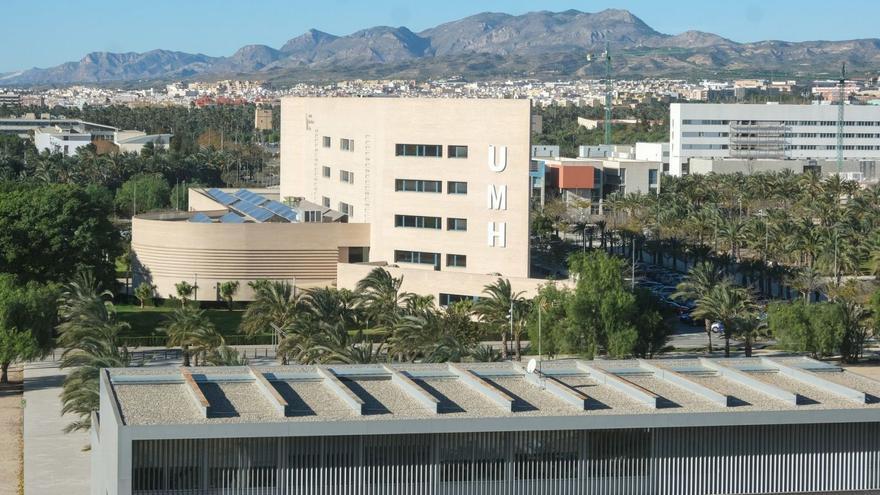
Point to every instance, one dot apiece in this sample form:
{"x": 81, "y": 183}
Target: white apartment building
{"x": 653, "y": 152}
{"x": 770, "y": 132}
{"x": 444, "y": 184}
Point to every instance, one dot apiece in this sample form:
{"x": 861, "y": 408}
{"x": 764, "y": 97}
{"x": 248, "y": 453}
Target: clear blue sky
{"x": 50, "y": 32}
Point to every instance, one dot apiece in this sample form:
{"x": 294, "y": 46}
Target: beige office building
{"x": 444, "y": 184}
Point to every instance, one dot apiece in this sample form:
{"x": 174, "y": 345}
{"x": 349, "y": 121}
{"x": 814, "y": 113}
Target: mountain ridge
{"x": 541, "y": 44}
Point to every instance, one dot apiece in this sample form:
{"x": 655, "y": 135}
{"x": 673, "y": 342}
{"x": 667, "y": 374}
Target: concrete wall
{"x": 376, "y": 125}
{"x": 169, "y": 251}
{"x": 757, "y": 459}
{"x": 430, "y": 282}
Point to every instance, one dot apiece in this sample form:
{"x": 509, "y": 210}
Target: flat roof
{"x": 568, "y": 394}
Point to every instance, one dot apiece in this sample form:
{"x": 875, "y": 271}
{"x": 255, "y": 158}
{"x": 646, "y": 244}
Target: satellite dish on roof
{"x": 532, "y": 366}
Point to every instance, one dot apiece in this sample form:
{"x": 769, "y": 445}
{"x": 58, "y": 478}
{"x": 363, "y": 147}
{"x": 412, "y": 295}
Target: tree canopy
{"x": 49, "y": 231}
{"x": 27, "y": 317}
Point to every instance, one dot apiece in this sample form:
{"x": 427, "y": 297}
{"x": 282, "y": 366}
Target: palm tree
{"x": 189, "y": 328}
{"x": 274, "y": 308}
{"x": 807, "y": 281}
{"x": 144, "y": 292}
{"x": 225, "y": 356}
{"x": 697, "y": 284}
{"x": 733, "y": 232}
{"x": 185, "y": 291}
{"x": 88, "y": 332}
{"x": 729, "y": 305}
{"x": 412, "y": 336}
{"x": 227, "y": 292}
{"x": 381, "y": 296}
{"x": 580, "y": 228}
{"x": 486, "y": 354}
{"x": 495, "y": 309}
{"x": 749, "y": 330}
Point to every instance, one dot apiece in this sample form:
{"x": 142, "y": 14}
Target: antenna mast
{"x": 841, "y": 96}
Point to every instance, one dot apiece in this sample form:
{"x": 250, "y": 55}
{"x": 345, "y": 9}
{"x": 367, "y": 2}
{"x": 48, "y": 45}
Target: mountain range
{"x": 544, "y": 45}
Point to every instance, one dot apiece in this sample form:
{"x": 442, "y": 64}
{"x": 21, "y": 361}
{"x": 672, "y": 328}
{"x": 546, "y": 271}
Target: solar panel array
{"x": 221, "y": 197}
{"x": 250, "y": 197}
{"x": 281, "y": 210}
{"x": 231, "y": 218}
{"x": 253, "y": 205}
{"x": 200, "y": 218}
{"x": 257, "y": 213}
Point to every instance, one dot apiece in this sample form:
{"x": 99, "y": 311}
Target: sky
{"x": 47, "y": 33}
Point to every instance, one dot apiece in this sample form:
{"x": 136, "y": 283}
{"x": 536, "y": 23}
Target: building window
{"x": 453, "y": 187}
{"x": 416, "y": 221}
{"x": 458, "y": 260}
{"x": 431, "y": 150}
{"x": 447, "y": 299}
{"x": 326, "y": 141}
{"x": 414, "y": 185}
{"x": 455, "y": 151}
{"x": 652, "y": 176}
{"x": 346, "y": 209}
{"x": 346, "y": 144}
{"x": 456, "y": 224}
{"x": 325, "y": 201}
{"x": 312, "y": 216}
{"x": 325, "y": 171}
{"x": 346, "y": 176}
{"x": 417, "y": 257}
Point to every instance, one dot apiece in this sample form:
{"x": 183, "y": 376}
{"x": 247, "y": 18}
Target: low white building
{"x": 58, "y": 140}
{"x": 134, "y": 141}
{"x": 654, "y": 152}
{"x": 770, "y": 132}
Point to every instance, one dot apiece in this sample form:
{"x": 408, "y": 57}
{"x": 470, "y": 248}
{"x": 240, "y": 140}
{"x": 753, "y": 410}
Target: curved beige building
{"x": 167, "y": 249}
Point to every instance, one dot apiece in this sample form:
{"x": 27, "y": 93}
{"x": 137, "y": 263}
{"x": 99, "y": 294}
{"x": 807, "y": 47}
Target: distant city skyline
{"x": 33, "y": 37}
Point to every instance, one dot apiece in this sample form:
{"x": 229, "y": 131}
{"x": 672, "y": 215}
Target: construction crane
{"x": 609, "y": 89}
{"x": 841, "y": 97}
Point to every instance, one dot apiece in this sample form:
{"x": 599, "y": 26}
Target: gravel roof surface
{"x": 311, "y": 399}
{"x": 156, "y": 404}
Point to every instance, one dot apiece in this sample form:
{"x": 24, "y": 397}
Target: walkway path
{"x": 54, "y": 462}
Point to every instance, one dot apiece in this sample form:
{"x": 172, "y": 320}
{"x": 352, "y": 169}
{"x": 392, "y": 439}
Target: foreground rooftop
{"x": 570, "y": 393}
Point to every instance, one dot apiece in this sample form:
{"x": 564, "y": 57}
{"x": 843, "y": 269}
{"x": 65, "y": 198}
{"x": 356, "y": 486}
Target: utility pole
{"x": 633, "y": 274}
{"x": 841, "y": 96}
{"x": 511, "y": 320}
{"x": 539, "y": 333}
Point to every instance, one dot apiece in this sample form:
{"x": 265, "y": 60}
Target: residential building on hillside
{"x": 771, "y": 132}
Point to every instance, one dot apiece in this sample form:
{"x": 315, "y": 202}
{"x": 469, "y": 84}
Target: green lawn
{"x": 145, "y": 324}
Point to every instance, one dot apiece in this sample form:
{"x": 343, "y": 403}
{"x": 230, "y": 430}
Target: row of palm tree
{"x": 379, "y": 321}
{"x": 768, "y": 227}
{"x": 89, "y": 332}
